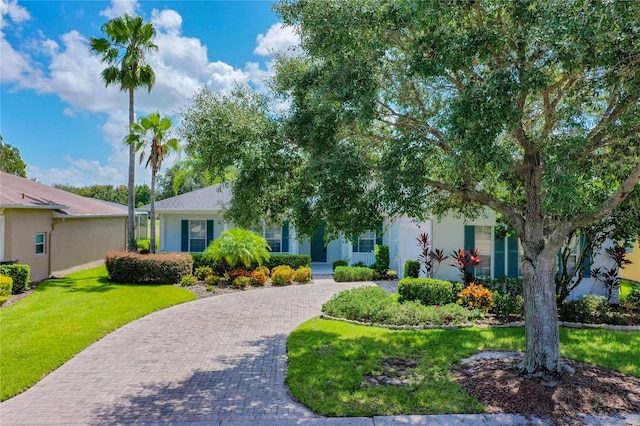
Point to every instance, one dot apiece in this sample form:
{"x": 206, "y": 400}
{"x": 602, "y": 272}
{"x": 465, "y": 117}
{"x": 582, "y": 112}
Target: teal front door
{"x": 318, "y": 249}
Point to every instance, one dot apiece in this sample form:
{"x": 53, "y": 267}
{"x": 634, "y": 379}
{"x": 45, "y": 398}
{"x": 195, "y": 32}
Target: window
{"x": 197, "y": 235}
{"x": 484, "y": 246}
{"x": 275, "y": 236}
{"x": 366, "y": 243}
{"x": 40, "y": 243}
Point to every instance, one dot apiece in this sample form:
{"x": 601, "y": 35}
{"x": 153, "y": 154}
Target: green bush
{"x": 352, "y": 273}
{"x": 188, "y": 280}
{"x": 382, "y": 257}
{"x": 282, "y": 275}
{"x": 201, "y": 260}
{"x": 589, "y": 309}
{"x": 634, "y": 296}
{"x": 339, "y": 263}
{"x": 213, "y": 280}
{"x": 504, "y": 285}
{"x": 6, "y": 284}
{"x": 411, "y": 269}
{"x": 506, "y": 305}
{"x": 166, "y": 268}
{"x": 20, "y": 274}
{"x": 428, "y": 291}
{"x": 239, "y": 247}
{"x": 241, "y": 282}
{"x": 373, "y": 305}
{"x": 203, "y": 272}
{"x": 295, "y": 261}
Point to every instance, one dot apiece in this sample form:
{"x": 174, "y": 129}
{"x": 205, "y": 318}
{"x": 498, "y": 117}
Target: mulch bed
{"x": 502, "y": 388}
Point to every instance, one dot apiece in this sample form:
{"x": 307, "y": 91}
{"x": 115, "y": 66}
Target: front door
{"x": 318, "y": 249}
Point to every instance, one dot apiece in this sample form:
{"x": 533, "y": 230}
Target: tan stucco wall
{"x": 632, "y": 272}
{"x": 20, "y": 229}
{"x": 78, "y": 240}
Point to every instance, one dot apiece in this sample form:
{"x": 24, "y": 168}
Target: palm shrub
{"x": 237, "y": 246}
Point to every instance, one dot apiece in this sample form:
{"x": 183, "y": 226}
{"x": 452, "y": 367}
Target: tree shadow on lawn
{"x": 244, "y": 387}
{"x": 87, "y": 284}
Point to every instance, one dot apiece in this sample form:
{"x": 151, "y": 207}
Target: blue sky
{"x": 58, "y": 113}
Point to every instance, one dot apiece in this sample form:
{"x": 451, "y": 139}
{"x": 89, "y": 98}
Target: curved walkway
{"x": 214, "y": 359}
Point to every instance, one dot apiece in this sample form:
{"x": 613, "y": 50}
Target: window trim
{"x": 43, "y": 243}
{"x": 261, "y": 230}
{"x": 189, "y": 239}
{"x": 356, "y": 246}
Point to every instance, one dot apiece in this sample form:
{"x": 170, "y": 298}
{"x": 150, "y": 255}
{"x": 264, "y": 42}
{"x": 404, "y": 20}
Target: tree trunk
{"x": 152, "y": 243}
{"x": 541, "y": 315}
{"x": 131, "y": 185}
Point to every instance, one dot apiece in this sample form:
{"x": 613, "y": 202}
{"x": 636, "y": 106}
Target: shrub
{"x": 212, "y": 280}
{"x": 188, "y": 280}
{"x": 589, "y": 309}
{"x": 634, "y": 296}
{"x": 295, "y": 261}
{"x": 166, "y": 268}
{"x": 200, "y": 260}
{"x": 374, "y": 305}
{"x": 411, "y": 269}
{"x": 241, "y": 282}
{"x": 258, "y": 278}
{"x": 339, "y": 263}
{"x": 264, "y": 270}
{"x": 382, "y": 258}
{"x": 476, "y": 296}
{"x": 282, "y": 275}
{"x": 237, "y": 246}
{"x": 211, "y": 288}
{"x": 6, "y": 285}
{"x": 428, "y": 291}
{"x": 235, "y": 273}
{"x": 391, "y": 275}
{"x": 352, "y": 273}
{"x": 20, "y": 274}
{"x": 203, "y": 272}
{"x": 506, "y": 305}
{"x": 504, "y": 285}
{"x": 302, "y": 275}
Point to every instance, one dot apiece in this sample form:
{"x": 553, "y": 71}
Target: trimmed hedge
{"x": 340, "y": 262}
{"x": 6, "y": 283}
{"x": 428, "y": 291}
{"x": 411, "y": 269}
{"x": 352, "y": 273}
{"x": 20, "y": 274}
{"x": 294, "y": 260}
{"x": 201, "y": 260}
{"x": 166, "y": 268}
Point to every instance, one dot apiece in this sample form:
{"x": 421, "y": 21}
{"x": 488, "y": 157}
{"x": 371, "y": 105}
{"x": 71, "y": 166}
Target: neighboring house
{"x": 189, "y": 222}
{"x": 51, "y": 230}
{"x": 632, "y": 271}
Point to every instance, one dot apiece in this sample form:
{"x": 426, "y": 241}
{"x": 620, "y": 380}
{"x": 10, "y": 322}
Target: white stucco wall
{"x": 170, "y": 228}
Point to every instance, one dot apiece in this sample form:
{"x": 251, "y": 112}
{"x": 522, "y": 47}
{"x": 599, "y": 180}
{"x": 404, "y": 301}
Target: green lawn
{"x": 626, "y": 286}
{"x": 63, "y": 316}
{"x": 329, "y": 360}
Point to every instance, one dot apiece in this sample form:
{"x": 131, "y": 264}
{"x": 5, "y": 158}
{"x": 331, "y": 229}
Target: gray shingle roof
{"x": 212, "y": 198}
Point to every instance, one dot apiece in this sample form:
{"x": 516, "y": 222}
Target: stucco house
{"x": 52, "y": 230}
{"x": 189, "y": 222}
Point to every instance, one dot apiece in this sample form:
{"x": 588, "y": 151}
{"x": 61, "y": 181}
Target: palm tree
{"x": 151, "y": 132}
{"x": 127, "y": 41}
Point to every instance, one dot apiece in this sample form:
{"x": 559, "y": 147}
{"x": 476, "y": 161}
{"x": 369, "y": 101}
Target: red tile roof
{"x": 17, "y": 192}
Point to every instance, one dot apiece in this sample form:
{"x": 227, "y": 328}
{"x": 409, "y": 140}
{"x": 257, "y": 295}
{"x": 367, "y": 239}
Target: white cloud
{"x": 167, "y": 20}
{"x": 11, "y": 9}
{"x": 119, "y": 8}
{"x": 280, "y": 38}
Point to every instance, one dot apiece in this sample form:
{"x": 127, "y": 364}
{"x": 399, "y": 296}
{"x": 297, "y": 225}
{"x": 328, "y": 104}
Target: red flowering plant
{"x": 430, "y": 259}
{"x": 466, "y": 262}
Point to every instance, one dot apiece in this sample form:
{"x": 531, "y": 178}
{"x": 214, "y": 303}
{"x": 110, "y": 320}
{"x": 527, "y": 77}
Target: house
{"x": 632, "y": 271}
{"x": 51, "y": 230}
{"x": 189, "y": 222}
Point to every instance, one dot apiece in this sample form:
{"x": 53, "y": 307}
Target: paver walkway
{"x": 214, "y": 359}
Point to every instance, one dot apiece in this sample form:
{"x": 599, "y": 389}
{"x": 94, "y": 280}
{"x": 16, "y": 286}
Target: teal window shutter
{"x": 184, "y": 236}
{"x": 379, "y": 234}
{"x": 586, "y": 263}
{"x": 209, "y": 231}
{"x": 469, "y": 237}
{"x": 498, "y": 256}
{"x": 285, "y": 237}
{"x": 513, "y": 257}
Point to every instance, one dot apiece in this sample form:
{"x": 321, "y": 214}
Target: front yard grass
{"x": 329, "y": 362}
{"x": 63, "y": 316}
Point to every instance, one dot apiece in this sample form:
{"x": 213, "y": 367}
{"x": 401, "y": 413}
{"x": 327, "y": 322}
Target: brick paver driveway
{"x": 220, "y": 358}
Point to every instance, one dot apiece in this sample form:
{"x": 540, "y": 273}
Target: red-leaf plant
{"x": 610, "y": 277}
{"x": 430, "y": 259}
{"x": 466, "y": 262}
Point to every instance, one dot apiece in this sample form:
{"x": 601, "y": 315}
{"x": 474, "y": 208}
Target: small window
{"x": 40, "y": 243}
{"x": 197, "y": 235}
{"x": 272, "y": 234}
{"x": 366, "y": 243}
{"x": 484, "y": 246}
